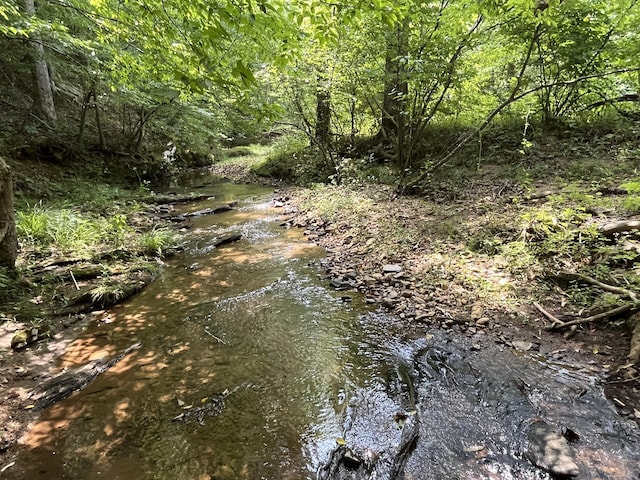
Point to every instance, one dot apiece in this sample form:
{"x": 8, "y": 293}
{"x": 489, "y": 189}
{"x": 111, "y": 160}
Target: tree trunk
{"x": 101, "y": 141}
{"x": 83, "y": 115}
{"x": 8, "y": 238}
{"x": 323, "y": 115}
{"x": 44, "y": 104}
{"x": 395, "y": 84}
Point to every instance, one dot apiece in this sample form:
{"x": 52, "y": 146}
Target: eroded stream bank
{"x": 291, "y": 379}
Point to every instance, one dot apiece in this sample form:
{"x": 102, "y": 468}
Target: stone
{"x": 20, "y": 339}
{"x": 476, "y": 312}
{"x": 350, "y": 460}
{"x": 549, "y": 450}
{"x": 522, "y": 346}
{"x": 393, "y": 268}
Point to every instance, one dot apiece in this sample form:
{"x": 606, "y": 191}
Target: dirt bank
{"x": 410, "y": 256}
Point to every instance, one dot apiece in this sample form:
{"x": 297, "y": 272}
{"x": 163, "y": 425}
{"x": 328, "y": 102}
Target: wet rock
{"x": 550, "y": 450}
{"x": 350, "y": 460}
{"x": 23, "y": 338}
{"x": 340, "y": 284}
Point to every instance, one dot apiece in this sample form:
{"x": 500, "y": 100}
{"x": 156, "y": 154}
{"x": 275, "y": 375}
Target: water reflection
{"x": 251, "y": 317}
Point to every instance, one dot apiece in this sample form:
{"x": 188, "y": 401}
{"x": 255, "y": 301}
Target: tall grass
{"x": 69, "y": 230}
{"x": 60, "y": 227}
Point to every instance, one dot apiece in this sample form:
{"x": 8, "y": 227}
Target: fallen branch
{"x": 555, "y": 321}
{"x": 601, "y": 316}
{"x": 618, "y": 227}
{"x": 603, "y": 286}
{"x": 61, "y": 386}
{"x": 218, "y": 339}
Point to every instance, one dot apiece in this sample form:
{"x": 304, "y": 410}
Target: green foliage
{"x": 292, "y": 159}
{"x": 557, "y": 236}
{"x": 156, "y": 241}
{"x": 7, "y": 283}
{"x": 70, "y": 230}
{"x": 632, "y": 187}
{"x": 108, "y": 293}
{"x": 325, "y": 201}
{"x": 64, "y": 228}
{"x": 238, "y": 152}
{"x": 632, "y": 204}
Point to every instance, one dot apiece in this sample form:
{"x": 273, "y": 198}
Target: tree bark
{"x": 44, "y": 103}
{"x": 8, "y": 238}
{"x": 323, "y": 115}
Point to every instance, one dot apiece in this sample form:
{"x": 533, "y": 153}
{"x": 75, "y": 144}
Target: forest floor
{"x": 473, "y": 257}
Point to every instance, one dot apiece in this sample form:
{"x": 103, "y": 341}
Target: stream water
{"x": 308, "y": 372}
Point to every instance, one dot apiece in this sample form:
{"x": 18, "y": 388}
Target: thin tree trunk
{"x": 140, "y": 130}
{"x": 395, "y": 86}
{"x": 323, "y": 115}
{"x": 83, "y": 115}
{"x": 8, "y": 238}
{"x": 101, "y": 141}
{"x": 44, "y": 103}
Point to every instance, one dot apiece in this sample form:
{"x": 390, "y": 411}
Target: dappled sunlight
{"x": 238, "y": 255}
{"x": 86, "y": 349}
{"x": 175, "y": 295}
{"x": 57, "y": 418}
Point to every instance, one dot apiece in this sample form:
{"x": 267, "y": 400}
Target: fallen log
{"x": 210, "y": 211}
{"x": 234, "y": 237}
{"x": 172, "y": 199}
{"x": 205, "y": 211}
{"x": 61, "y": 386}
{"x": 621, "y": 226}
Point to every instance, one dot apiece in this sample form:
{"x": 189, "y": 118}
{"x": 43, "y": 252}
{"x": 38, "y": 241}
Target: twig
{"x": 218, "y": 339}
{"x": 555, "y": 321}
{"x": 600, "y": 316}
{"x": 74, "y": 280}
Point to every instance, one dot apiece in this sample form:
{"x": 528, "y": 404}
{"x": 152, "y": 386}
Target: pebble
{"x": 391, "y": 268}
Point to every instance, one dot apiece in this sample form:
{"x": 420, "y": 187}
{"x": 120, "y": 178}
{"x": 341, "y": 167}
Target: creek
{"x": 308, "y": 375}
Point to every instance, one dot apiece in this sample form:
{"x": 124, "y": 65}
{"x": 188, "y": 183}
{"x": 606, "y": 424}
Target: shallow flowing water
{"x": 308, "y": 373}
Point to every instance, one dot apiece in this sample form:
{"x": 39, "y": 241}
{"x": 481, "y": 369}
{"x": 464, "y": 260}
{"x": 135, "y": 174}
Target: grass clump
{"x": 155, "y": 242}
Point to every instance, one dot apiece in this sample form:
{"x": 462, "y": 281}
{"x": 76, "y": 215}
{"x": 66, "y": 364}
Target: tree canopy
{"x": 200, "y": 70}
